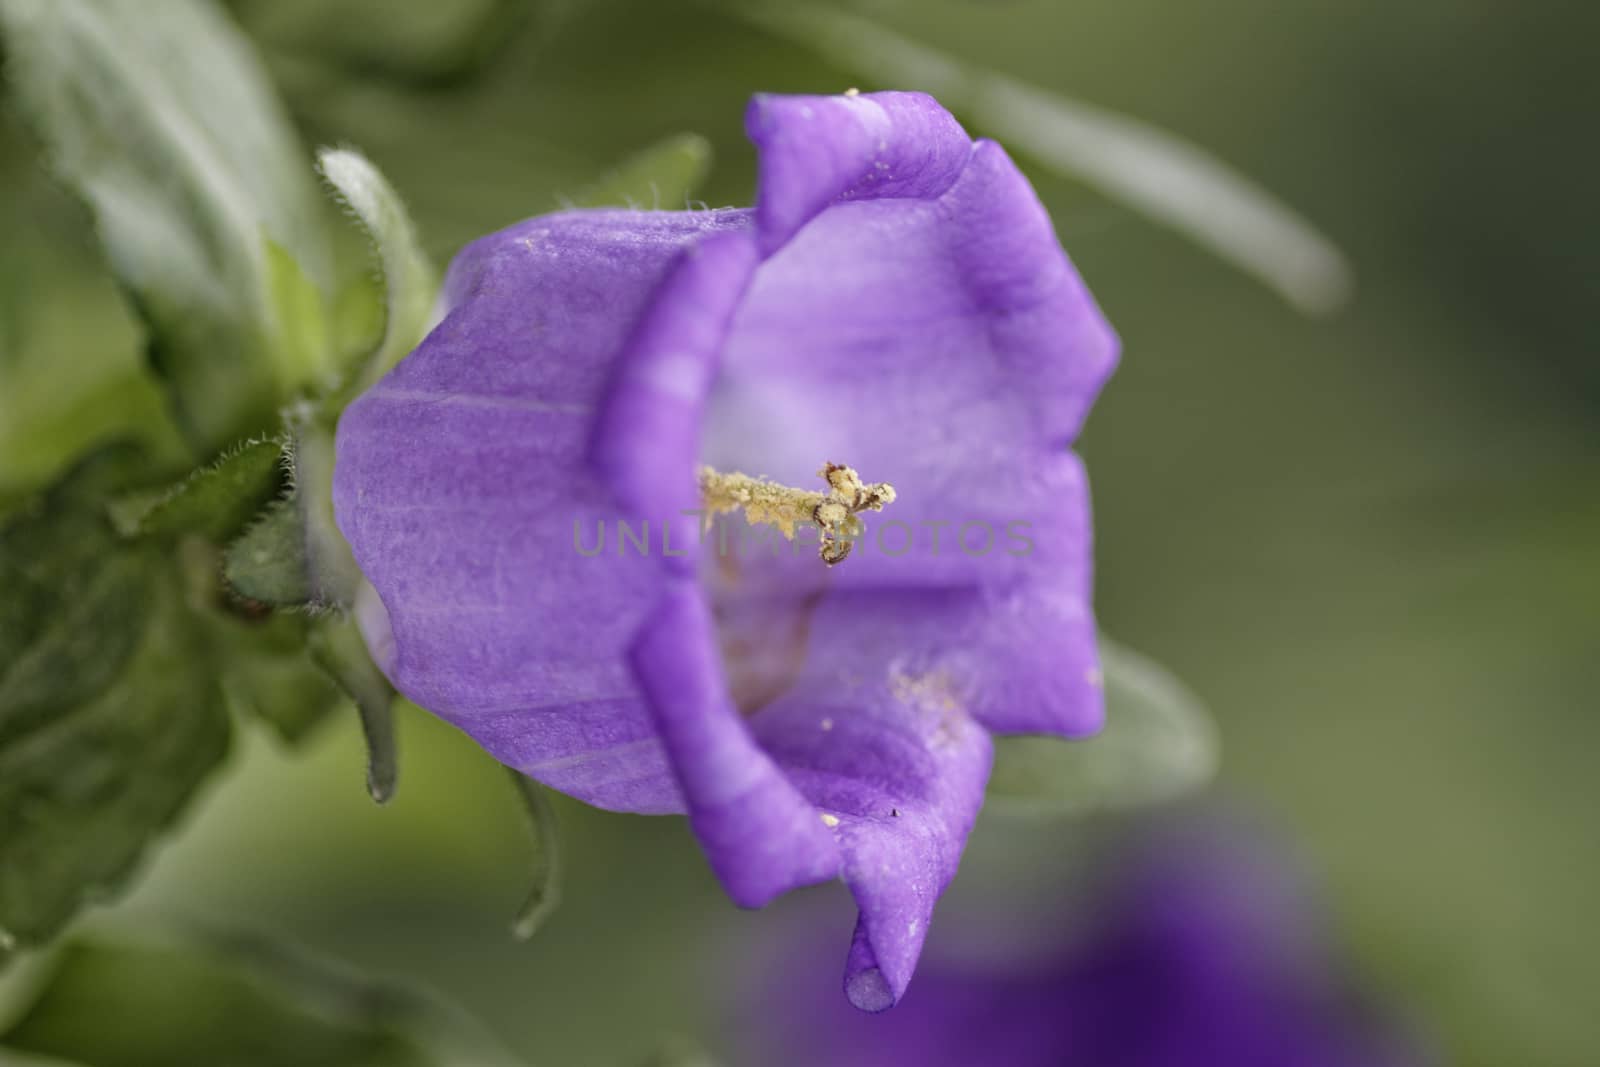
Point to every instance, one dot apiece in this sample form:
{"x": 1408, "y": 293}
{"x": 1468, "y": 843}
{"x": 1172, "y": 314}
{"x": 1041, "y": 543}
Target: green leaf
{"x": 410, "y": 282}
{"x": 59, "y": 312}
{"x": 219, "y": 499}
{"x": 1152, "y": 171}
{"x": 110, "y": 712}
{"x": 544, "y": 886}
{"x": 1158, "y": 742}
{"x": 337, "y": 646}
{"x": 662, "y": 177}
{"x": 159, "y": 116}
{"x": 70, "y": 616}
{"x": 110, "y": 1004}
{"x": 268, "y": 562}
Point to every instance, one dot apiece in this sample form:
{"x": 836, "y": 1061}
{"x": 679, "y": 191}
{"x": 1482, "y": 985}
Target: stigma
{"x": 835, "y": 512}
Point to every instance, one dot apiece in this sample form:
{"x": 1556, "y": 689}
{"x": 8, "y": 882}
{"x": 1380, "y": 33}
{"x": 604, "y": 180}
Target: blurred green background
{"x": 1370, "y": 542}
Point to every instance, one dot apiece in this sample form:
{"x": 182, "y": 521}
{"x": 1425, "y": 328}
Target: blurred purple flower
{"x": 896, "y": 301}
{"x": 1205, "y": 954}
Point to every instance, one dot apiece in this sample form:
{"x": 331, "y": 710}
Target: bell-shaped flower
{"x": 882, "y": 366}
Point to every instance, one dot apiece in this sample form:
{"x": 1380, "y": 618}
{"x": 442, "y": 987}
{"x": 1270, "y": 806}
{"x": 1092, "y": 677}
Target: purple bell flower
{"x": 527, "y": 496}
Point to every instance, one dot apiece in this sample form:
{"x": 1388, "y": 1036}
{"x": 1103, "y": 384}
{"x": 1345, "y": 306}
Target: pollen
{"x": 836, "y": 512}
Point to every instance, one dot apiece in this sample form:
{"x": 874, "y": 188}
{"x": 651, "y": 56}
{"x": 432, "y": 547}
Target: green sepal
{"x": 219, "y": 500}
{"x": 337, "y": 647}
{"x": 660, "y": 177}
{"x": 411, "y": 284}
{"x": 269, "y": 673}
{"x": 293, "y": 554}
{"x": 302, "y": 337}
{"x": 268, "y": 562}
{"x": 544, "y": 882}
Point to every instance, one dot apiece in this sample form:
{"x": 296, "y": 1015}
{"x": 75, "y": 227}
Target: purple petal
{"x": 817, "y": 150}
{"x": 899, "y": 769}
{"x": 761, "y": 837}
{"x": 647, "y": 436}
{"x": 461, "y": 475}
{"x": 946, "y": 346}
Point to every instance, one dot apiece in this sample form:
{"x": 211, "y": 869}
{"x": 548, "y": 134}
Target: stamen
{"x": 835, "y": 512}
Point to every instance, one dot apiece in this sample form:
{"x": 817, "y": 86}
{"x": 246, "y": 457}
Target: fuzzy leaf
{"x": 70, "y": 617}
{"x": 1158, "y": 742}
{"x": 72, "y": 376}
{"x": 160, "y": 117}
{"x": 110, "y": 711}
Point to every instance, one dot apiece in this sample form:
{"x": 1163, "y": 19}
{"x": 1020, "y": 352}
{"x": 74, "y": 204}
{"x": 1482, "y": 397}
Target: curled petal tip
{"x": 869, "y": 990}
